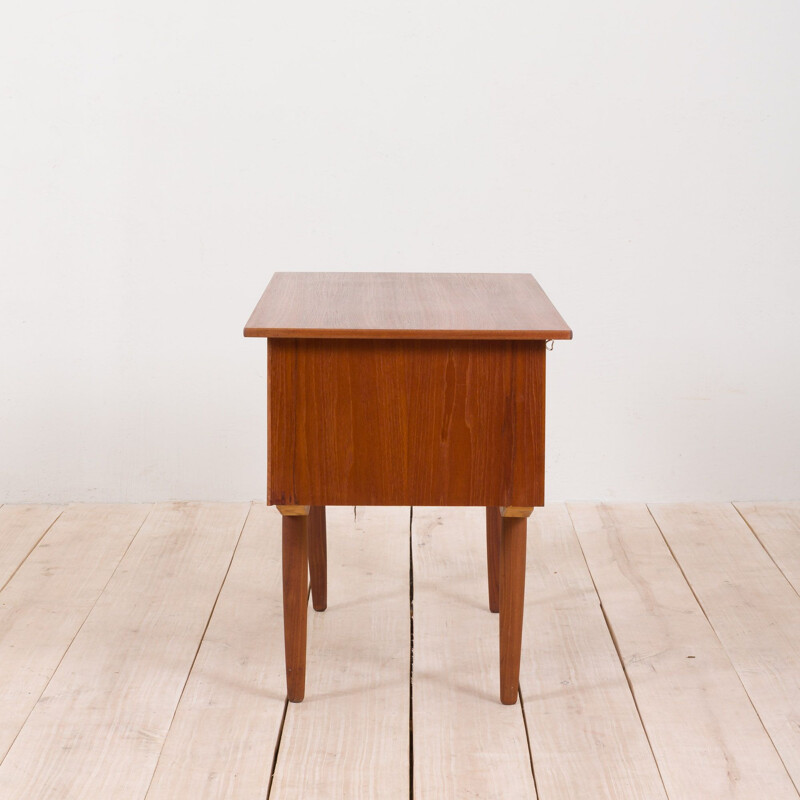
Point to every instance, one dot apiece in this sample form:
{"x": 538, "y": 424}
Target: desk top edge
{"x": 403, "y": 333}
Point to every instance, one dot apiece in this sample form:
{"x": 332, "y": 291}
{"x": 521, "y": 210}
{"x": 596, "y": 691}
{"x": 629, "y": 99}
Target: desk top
{"x": 405, "y": 305}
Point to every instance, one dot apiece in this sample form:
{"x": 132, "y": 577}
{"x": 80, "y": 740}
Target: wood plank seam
{"x": 276, "y": 751}
{"x": 80, "y": 628}
{"x": 766, "y": 549}
{"x": 277, "y": 748}
{"x": 36, "y": 544}
{"x": 630, "y": 686}
{"x": 722, "y": 644}
{"x": 680, "y": 567}
{"x": 621, "y": 660}
{"x": 197, "y": 649}
{"x": 528, "y": 737}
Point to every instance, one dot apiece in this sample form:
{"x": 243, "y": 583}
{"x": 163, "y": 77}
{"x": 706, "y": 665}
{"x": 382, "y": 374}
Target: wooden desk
{"x": 405, "y": 389}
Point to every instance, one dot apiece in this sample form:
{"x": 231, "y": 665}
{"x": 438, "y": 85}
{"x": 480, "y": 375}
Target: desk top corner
{"x": 405, "y": 305}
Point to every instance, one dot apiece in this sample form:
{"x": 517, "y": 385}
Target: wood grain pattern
{"x": 754, "y": 610}
{"x": 777, "y": 526}
{"x": 295, "y": 602}
{"x": 466, "y": 743}
{"x": 513, "y": 536}
{"x": 705, "y": 735}
{"x": 349, "y": 737}
{"x": 45, "y": 604}
{"x": 221, "y": 741}
{"x": 21, "y": 527}
{"x": 385, "y": 305}
{"x": 586, "y": 737}
{"x": 99, "y": 726}
{"x": 406, "y": 423}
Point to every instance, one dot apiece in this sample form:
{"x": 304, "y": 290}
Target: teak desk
{"x": 405, "y": 389}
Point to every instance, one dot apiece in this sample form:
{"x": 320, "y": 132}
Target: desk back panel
{"x": 406, "y": 422}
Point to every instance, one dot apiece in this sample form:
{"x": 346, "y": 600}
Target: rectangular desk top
{"x": 405, "y": 305}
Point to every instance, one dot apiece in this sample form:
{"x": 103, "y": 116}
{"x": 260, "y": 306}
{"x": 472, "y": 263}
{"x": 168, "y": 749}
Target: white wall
{"x": 160, "y": 159}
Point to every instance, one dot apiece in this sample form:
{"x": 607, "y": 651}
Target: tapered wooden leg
{"x": 493, "y": 526}
{"x": 318, "y": 557}
{"x": 295, "y": 600}
{"x": 512, "y": 599}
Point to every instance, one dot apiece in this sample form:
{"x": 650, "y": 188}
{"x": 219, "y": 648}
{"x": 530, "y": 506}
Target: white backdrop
{"x": 160, "y": 159}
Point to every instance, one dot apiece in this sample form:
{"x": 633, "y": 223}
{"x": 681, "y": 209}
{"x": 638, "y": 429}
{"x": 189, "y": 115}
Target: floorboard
{"x": 466, "y": 743}
{"x": 222, "y": 739}
{"x": 586, "y": 736}
{"x": 707, "y": 739}
{"x": 141, "y": 655}
{"x": 349, "y": 738}
{"x": 98, "y": 728}
{"x": 754, "y": 610}
{"x": 44, "y": 605}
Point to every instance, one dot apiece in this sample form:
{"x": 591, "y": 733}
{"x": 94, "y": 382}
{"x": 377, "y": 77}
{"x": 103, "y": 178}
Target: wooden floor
{"x": 141, "y": 656}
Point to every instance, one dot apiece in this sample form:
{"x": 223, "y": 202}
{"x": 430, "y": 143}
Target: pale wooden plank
{"x": 349, "y": 737}
{"x": 21, "y": 527}
{"x": 466, "y": 743}
{"x": 707, "y": 739}
{"x": 46, "y": 602}
{"x": 586, "y": 736}
{"x": 223, "y": 736}
{"x": 98, "y": 728}
{"x": 777, "y": 526}
{"x": 754, "y": 610}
